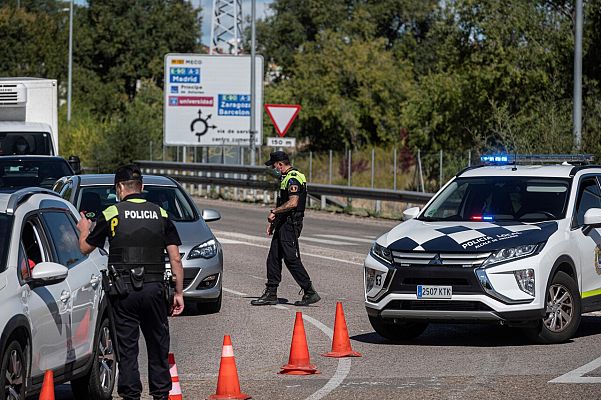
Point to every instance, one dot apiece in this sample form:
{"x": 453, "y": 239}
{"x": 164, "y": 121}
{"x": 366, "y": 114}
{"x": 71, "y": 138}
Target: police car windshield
{"x": 94, "y": 199}
{"x": 524, "y": 199}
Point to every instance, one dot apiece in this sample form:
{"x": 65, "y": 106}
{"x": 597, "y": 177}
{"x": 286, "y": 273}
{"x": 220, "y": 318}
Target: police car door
{"x": 84, "y": 280}
{"x": 588, "y": 242}
{"x": 49, "y": 306}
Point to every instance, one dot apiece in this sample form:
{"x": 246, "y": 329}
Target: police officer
{"x": 286, "y": 224}
{"x": 138, "y": 232}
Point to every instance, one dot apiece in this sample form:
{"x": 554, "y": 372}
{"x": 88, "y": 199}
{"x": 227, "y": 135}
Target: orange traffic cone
{"x": 299, "y": 362}
{"x": 176, "y": 391}
{"x": 228, "y": 386}
{"x": 341, "y": 343}
{"x": 47, "y": 392}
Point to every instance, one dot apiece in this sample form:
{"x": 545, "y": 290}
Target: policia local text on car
{"x": 138, "y": 232}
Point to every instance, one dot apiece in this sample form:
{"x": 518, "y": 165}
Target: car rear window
{"x": 25, "y": 173}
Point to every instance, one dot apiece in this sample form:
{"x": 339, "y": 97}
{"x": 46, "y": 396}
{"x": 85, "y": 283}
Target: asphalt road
{"x": 446, "y": 362}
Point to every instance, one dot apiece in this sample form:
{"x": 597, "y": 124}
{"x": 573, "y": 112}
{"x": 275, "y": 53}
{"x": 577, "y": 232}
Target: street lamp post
{"x": 577, "y": 112}
{"x": 253, "y": 111}
{"x": 69, "y": 79}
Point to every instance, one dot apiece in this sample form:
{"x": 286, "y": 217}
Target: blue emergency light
{"x": 505, "y": 159}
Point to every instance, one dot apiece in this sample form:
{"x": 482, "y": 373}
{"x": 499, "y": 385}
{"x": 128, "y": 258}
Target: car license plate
{"x": 434, "y": 292}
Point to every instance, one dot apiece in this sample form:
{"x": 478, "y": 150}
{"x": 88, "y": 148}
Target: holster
{"x": 117, "y": 286}
{"x": 136, "y": 276}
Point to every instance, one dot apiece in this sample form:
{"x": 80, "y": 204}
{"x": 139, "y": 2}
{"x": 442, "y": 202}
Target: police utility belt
{"x": 131, "y": 268}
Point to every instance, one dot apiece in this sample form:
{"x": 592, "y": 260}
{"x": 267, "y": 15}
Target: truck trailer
{"x": 28, "y": 116}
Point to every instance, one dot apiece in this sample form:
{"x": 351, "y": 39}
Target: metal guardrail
{"x": 259, "y": 177}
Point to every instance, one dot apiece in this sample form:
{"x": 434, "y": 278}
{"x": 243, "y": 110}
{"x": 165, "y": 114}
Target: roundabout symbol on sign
{"x": 203, "y": 125}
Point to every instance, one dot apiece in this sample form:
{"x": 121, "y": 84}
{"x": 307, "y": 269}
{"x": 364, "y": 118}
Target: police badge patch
{"x": 597, "y": 260}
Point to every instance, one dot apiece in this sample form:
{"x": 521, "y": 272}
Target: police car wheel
{"x": 98, "y": 383}
{"x": 562, "y": 313}
{"x": 399, "y": 330}
{"x": 12, "y": 373}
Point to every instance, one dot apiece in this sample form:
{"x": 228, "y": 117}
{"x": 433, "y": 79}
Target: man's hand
{"x": 178, "y": 305}
{"x": 269, "y": 229}
{"x": 84, "y": 224}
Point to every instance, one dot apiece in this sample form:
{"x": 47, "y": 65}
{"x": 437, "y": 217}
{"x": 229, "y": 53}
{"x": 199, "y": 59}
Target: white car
{"x": 54, "y": 316}
{"x": 512, "y": 244}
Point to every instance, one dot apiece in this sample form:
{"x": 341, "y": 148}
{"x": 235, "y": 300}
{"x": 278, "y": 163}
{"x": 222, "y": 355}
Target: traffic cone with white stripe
{"x": 47, "y": 392}
{"x": 228, "y": 385}
{"x": 176, "y": 391}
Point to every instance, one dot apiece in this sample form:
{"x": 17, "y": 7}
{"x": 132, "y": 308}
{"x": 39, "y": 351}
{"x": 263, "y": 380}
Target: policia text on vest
{"x": 139, "y": 232}
{"x": 286, "y": 224}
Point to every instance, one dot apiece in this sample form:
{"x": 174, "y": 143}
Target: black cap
{"x": 277, "y": 156}
{"x": 128, "y": 173}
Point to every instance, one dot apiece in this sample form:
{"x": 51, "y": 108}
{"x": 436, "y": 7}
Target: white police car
{"x": 514, "y": 244}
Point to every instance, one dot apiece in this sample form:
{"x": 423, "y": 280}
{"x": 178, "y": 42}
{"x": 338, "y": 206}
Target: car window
{"x": 66, "y": 190}
{"x": 16, "y": 173}
{"x": 24, "y": 265}
{"x": 524, "y": 199}
{"x": 64, "y": 237}
{"x": 94, "y": 199}
{"x": 31, "y": 240}
{"x": 589, "y": 196}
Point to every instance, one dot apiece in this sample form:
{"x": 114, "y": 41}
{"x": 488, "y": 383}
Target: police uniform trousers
{"x": 284, "y": 245}
{"x": 145, "y": 310}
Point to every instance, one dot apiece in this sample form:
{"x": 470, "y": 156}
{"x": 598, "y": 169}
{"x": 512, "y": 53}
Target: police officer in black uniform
{"x": 138, "y": 233}
{"x": 286, "y": 224}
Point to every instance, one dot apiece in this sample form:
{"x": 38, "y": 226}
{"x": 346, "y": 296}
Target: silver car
{"x": 54, "y": 314}
{"x": 202, "y": 256}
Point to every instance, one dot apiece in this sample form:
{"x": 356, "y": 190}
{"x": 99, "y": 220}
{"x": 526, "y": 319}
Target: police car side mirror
{"x": 48, "y": 273}
{"x": 410, "y": 213}
{"x": 592, "y": 218}
{"x": 210, "y": 215}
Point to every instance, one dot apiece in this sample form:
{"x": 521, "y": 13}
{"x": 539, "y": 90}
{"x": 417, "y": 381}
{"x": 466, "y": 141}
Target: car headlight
{"x": 207, "y": 249}
{"x": 511, "y": 253}
{"x": 525, "y": 279}
{"x": 382, "y": 253}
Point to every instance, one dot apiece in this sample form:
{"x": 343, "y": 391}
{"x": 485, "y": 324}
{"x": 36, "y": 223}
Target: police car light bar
{"x": 504, "y": 159}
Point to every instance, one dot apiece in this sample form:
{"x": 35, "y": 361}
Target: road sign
{"x": 207, "y": 100}
{"x": 282, "y": 116}
{"x": 281, "y": 142}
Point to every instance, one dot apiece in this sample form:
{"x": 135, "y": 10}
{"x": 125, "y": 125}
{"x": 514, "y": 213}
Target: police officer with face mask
{"x": 286, "y": 224}
{"x": 138, "y": 232}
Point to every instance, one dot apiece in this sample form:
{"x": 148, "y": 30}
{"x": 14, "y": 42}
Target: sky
{"x": 207, "y": 5}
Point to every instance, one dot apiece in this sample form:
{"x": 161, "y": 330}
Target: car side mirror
{"x": 75, "y": 164}
{"x": 592, "y": 219}
{"x": 48, "y": 273}
{"x": 210, "y": 215}
{"x": 410, "y": 213}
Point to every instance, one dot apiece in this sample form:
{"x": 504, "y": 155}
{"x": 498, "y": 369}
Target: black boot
{"x": 268, "y": 298}
{"x": 310, "y": 296}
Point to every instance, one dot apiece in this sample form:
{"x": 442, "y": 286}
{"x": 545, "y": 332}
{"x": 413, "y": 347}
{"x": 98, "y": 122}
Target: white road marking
{"x": 228, "y": 241}
{"x": 576, "y": 376}
{"x": 234, "y": 292}
{"x": 324, "y": 241}
{"x": 344, "y": 364}
{"x": 302, "y": 254}
{"x": 347, "y": 238}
